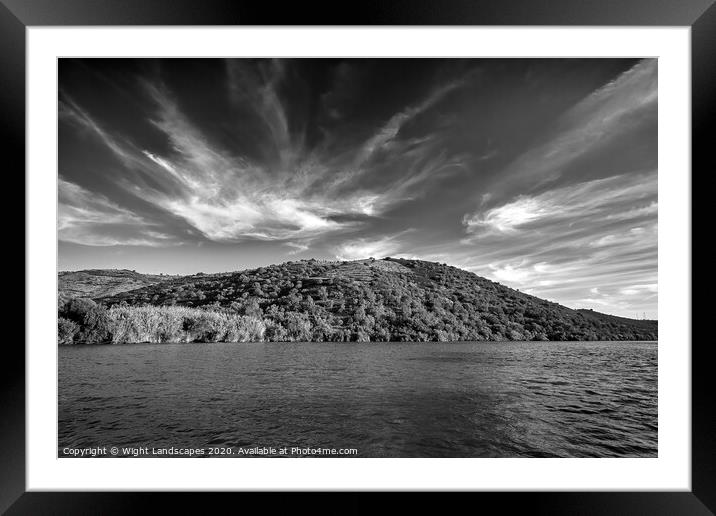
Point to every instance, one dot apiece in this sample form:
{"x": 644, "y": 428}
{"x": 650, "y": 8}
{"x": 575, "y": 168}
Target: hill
{"x": 364, "y": 300}
{"x": 644, "y": 324}
{"x": 95, "y": 283}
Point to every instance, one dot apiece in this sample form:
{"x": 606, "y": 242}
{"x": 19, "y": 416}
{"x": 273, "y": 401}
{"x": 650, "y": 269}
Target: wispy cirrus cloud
{"x": 580, "y": 142}
{"x": 570, "y": 243}
{"x": 586, "y": 205}
{"x": 389, "y": 131}
{"x": 70, "y": 111}
{"x": 231, "y": 198}
{"x": 88, "y": 218}
{"x": 226, "y": 197}
{"x": 256, "y": 89}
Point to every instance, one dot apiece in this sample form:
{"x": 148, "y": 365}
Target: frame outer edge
{"x": 369, "y": 12}
{"x": 703, "y": 107}
{"x": 12, "y": 136}
{"x": 12, "y": 95}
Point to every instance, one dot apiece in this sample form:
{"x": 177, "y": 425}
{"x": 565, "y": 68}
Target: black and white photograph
{"x": 357, "y": 257}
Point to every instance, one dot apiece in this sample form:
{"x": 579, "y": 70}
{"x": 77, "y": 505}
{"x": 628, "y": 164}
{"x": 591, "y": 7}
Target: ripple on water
{"x": 386, "y": 400}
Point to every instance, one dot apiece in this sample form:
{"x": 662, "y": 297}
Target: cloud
{"x": 589, "y": 204}
{"x": 297, "y": 247}
{"x": 511, "y": 273}
{"x": 69, "y": 111}
{"x": 635, "y": 290}
{"x": 254, "y": 86}
{"x": 89, "y": 218}
{"x": 508, "y": 217}
{"x": 335, "y": 102}
{"x": 622, "y": 111}
{"x": 161, "y": 162}
{"x": 389, "y": 168}
{"x": 285, "y": 194}
{"x": 362, "y": 248}
{"x": 591, "y": 244}
{"x": 229, "y": 198}
{"x": 388, "y": 132}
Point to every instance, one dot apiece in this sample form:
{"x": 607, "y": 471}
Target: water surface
{"x": 506, "y": 399}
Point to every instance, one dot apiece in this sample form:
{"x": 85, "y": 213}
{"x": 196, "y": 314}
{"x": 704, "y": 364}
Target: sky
{"x": 540, "y": 174}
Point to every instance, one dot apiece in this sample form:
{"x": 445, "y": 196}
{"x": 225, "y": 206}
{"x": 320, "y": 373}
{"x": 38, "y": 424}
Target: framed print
{"x": 422, "y": 250}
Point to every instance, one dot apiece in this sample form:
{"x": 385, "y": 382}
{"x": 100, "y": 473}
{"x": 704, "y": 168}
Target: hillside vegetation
{"x": 365, "y": 300}
{"x": 99, "y": 283}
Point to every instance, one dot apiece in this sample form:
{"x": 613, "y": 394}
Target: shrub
{"x": 205, "y": 326}
{"x": 76, "y": 309}
{"x": 298, "y": 327}
{"x": 181, "y": 324}
{"x": 96, "y": 326}
{"x": 275, "y": 332}
{"x": 244, "y": 329}
{"x": 66, "y": 331}
{"x": 147, "y": 324}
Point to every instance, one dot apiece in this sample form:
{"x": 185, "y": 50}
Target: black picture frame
{"x": 17, "y": 15}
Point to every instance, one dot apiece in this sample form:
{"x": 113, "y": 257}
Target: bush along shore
{"x": 312, "y": 301}
{"x": 82, "y": 321}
